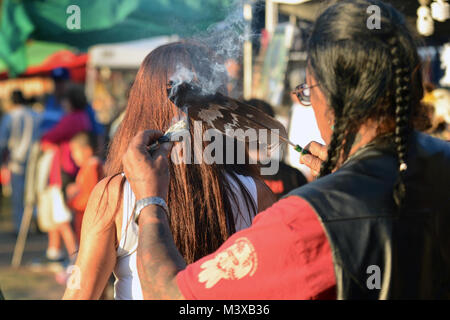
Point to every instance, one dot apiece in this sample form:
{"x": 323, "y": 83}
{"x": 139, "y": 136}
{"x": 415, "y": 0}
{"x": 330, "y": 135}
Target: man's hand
{"x": 158, "y": 259}
{"x": 148, "y": 174}
{"x": 314, "y": 160}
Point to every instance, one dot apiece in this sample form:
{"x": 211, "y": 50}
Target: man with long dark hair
{"x": 373, "y": 226}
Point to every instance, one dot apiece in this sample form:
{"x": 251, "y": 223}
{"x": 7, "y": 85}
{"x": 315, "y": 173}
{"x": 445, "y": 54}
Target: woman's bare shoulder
{"x": 104, "y": 203}
{"x": 110, "y": 185}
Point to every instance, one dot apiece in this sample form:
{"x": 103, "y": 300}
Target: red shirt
{"x": 68, "y": 127}
{"x": 285, "y": 254}
{"x": 88, "y": 176}
{"x": 60, "y": 135}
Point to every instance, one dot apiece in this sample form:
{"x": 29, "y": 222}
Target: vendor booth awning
{"x": 125, "y": 54}
{"x": 42, "y": 57}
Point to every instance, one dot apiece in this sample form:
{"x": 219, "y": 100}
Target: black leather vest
{"x": 411, "y": 248}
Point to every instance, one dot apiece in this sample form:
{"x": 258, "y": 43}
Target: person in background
{"x": 63, "y": 169}
{"x": 54, "y": 110}
{"x": 18, "y": 131}
{"x": 287, "y": 178}
{"x": 82, "y": 148}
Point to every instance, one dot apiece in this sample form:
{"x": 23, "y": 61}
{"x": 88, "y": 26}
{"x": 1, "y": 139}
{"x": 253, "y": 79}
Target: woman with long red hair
{"x": 208, "y": 202}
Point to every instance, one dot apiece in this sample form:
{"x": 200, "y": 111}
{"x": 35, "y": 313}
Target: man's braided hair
{"x": 366, "y": 74}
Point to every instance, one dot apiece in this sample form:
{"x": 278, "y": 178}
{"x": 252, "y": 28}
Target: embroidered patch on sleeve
{"x": 233, "y": 263}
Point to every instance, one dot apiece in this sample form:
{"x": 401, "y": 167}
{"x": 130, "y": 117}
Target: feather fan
{"x": 221, "y": 113}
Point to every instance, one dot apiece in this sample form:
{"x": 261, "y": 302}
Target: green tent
{"x": 82, "y": 23}
{"x": 36, "y": 53}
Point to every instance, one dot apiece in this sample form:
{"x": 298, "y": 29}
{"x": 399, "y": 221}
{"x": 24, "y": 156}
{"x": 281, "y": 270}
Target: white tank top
{"x": 127, "y": 285}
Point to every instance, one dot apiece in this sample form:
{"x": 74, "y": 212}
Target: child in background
{"x": 82, "y": 147}
{"x": 63, "y": 169}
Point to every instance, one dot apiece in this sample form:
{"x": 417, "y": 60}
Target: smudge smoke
{"x": 226, "y": 40}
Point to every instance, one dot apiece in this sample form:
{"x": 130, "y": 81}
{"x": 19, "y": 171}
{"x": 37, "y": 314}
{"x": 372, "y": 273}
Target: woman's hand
{"x": 148, "y": 174}
{"x": 314, "y": 160}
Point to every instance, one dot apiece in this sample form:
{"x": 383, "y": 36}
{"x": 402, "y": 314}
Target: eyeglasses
{"x": 303, "y": 93}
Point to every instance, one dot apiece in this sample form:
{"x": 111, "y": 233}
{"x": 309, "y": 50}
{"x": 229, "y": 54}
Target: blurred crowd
{"x": 50, "y": 161}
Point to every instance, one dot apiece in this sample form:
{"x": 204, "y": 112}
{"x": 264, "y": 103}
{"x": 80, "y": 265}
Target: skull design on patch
{"x": 233, "y": 263}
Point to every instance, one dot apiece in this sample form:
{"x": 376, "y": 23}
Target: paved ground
{"x": 24, "y": 282}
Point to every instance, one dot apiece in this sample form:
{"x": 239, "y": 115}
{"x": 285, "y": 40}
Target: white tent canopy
{"x": 125, "y": 54}
{"x": 305, "y": 9}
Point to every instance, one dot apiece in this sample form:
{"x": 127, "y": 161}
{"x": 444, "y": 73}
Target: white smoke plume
{"x": 226, "y": 40}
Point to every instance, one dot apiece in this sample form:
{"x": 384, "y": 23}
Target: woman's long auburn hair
{"x": 200, "y": 198}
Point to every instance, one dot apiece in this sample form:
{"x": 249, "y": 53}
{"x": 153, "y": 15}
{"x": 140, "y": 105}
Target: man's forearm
{"x": 158, "y": 259}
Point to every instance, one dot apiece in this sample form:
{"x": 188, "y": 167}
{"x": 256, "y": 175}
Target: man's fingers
{"x": 145, "y": 138}
{"x": 314, "y": 163}
{"x": 138, "y": 146}
{"x": 318, "y": 150}
{"x": 163, "y": 150}
{"x": 314, "y": 160}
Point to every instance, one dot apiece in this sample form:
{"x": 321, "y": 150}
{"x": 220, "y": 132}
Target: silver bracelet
{"x": 142, "y": 203}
